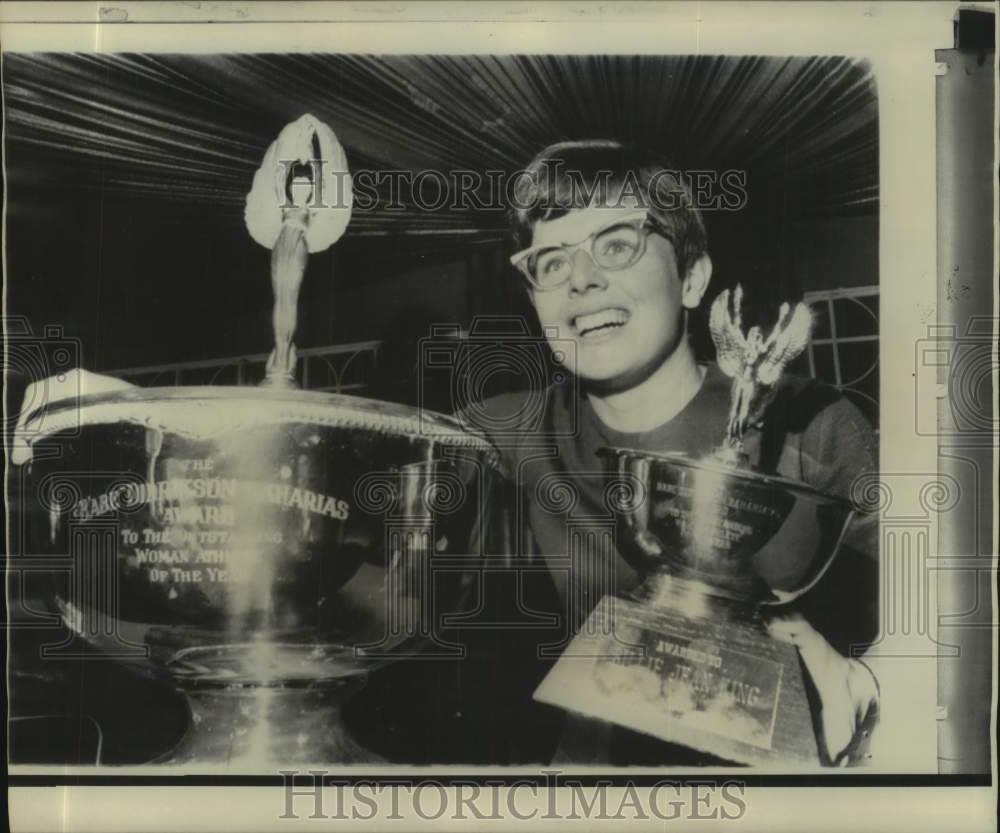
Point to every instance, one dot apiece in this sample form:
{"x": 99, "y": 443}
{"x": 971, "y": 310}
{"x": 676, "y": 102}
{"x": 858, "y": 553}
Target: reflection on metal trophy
{"x": 716, "y": 542}
{"x": 259, "y": 549}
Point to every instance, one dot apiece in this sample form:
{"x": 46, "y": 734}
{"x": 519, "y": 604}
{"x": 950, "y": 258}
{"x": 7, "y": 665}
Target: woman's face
{"x": 625, "y": 324}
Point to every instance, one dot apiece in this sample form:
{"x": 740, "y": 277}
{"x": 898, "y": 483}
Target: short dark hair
{"x": 569, "y": 176}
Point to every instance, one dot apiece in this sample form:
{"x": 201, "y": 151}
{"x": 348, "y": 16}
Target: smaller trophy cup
{"x": 686, "y": 657}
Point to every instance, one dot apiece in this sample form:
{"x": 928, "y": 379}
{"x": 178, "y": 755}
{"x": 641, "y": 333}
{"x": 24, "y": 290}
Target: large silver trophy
{"x": 717, "y": 542}
{"x": 259, "y": 549}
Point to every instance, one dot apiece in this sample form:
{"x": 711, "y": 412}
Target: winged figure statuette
{"x": 754, "y": 361}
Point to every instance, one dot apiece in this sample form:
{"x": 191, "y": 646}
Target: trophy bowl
{"x": 259, "y": 549}
{"x": 735, "y": 533}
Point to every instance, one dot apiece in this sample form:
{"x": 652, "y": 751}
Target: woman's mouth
{"x": 600, "y": 323}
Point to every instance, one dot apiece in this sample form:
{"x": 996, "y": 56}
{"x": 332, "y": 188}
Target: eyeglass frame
{"x": 643, "y": 220}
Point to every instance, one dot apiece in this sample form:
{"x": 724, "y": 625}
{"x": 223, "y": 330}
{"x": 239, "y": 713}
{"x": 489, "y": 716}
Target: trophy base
{"x": 721, "y": 686}
{"x": 252, "y": 728}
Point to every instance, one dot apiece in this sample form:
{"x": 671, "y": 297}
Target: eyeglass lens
{"x": 612, "y": 248}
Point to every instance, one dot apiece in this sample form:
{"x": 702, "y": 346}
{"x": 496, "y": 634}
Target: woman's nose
{"x": 584, "y": 273}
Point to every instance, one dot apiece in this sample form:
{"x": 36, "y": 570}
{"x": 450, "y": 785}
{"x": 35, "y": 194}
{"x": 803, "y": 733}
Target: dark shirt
{"x": 549, "y": 444}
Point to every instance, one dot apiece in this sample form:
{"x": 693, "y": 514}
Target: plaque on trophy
{"x": 685, "y": 657}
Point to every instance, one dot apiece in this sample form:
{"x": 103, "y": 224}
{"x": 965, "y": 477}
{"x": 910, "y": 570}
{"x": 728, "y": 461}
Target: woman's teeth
{"x": 599, "y": 322}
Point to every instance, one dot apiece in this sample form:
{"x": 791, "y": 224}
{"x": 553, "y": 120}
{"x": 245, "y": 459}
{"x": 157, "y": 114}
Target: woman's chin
{"x": 606, "y": 376}
{"x": 603, "y": 360}
{"x": 612, "y": 373}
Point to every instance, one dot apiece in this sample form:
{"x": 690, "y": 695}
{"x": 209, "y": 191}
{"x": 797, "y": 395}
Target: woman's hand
{"x": 847, "y": 688}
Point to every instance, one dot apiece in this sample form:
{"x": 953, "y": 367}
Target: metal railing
{"x": 341, "y": 368}
{"x": 336, "y": 368}
{"x": 859, "y": 382}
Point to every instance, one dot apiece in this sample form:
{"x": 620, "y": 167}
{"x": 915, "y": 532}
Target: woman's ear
{"x": 696, "y": 282}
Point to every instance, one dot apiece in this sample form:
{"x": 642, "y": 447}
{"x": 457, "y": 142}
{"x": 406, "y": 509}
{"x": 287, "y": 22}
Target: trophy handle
{"x": 792, "y": 595}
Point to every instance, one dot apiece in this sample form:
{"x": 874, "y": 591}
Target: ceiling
{"x": 193, "y": 129}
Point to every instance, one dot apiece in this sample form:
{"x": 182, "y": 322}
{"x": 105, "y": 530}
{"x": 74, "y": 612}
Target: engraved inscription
{"x": 198, "y": 527}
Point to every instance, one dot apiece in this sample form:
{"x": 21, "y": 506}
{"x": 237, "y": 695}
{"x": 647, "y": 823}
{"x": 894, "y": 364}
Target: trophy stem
{"x": 692, "y": 598}
{"x": 249, "y": 727}
{"x": 288, "y": 265}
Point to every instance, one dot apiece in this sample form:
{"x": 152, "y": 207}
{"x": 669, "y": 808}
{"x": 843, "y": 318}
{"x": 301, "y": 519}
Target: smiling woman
{"x": 616, "y": 258}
